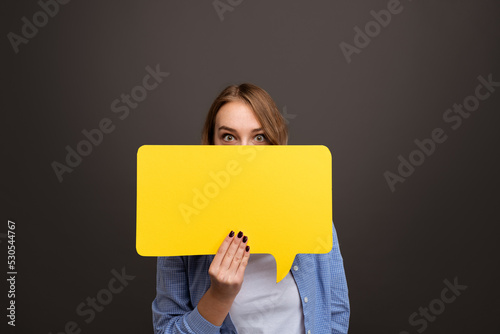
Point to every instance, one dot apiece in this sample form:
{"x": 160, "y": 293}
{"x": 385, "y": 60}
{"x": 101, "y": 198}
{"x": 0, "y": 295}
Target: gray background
{"x": 398, "y": 247}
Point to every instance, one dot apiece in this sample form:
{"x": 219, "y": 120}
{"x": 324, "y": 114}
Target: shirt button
{"x": 306, "y": 299}
{"x": 295, "y": 268}
{"x": 309, "y": 332}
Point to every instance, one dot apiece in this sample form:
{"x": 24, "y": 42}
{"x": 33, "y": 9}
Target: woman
{"x": 207, "y": 294}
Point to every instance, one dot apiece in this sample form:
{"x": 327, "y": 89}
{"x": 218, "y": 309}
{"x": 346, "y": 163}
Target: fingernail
{"x": 240, "y": 234}
{"x": 245, "y": 238}
{"x": 231, "y": 234}
{"x": 247, "y": 248}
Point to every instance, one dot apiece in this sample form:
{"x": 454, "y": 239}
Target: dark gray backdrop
{"x": 399, "y": 247}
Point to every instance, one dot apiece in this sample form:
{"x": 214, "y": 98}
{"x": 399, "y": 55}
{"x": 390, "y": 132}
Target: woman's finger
{"x": 221, "y": 252}
{"x": 243, "y": 264}
{"x": 231, "y": 251}
{"x": 238, "y": 256}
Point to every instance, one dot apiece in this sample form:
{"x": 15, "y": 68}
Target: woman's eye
{"x": 260, "y": 138}
{"x": 227, "y": 137}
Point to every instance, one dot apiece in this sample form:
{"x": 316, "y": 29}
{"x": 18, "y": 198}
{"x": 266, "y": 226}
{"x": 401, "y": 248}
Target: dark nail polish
{"x": 240, "y": 234}
{"x": 247, "y": 248}
{"x": 245, "y": 238}
{"x": 231, "y": 234}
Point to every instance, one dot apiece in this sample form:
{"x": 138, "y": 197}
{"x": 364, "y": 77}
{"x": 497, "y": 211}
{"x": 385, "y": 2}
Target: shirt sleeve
{"x": 173, "y": 312}
{"x": 340, "y": 296}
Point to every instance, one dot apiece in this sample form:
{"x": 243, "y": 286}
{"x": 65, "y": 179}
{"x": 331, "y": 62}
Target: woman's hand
{"x": 226, "y": 275}
{"x": 228, "y": 267}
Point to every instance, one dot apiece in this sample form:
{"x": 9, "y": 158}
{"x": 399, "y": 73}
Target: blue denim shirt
{"x": 182, "y": 281}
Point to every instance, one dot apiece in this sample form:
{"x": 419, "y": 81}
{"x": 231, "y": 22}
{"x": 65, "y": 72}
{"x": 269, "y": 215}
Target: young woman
{"x": 207, "y": 294}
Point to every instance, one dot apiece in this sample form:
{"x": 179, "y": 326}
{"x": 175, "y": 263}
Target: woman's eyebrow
{"x": 223, "y": 127}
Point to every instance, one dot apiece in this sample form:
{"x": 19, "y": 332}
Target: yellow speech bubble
{"x": 190, "y": 197}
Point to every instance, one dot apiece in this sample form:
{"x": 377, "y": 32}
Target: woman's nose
{"x": 245, "y": 141}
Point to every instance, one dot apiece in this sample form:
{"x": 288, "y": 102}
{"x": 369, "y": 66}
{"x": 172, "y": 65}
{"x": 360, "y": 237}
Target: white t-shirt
{"x": 263, "y": 306}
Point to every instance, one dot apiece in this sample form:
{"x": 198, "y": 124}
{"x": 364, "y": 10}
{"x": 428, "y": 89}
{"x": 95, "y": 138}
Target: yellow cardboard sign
{"x": 190, "y": 197}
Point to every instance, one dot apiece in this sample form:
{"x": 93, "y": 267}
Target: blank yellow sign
{"x": 190, "y": 197}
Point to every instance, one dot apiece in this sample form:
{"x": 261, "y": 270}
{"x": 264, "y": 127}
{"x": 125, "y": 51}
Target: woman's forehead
{"x": 238, "y": 116}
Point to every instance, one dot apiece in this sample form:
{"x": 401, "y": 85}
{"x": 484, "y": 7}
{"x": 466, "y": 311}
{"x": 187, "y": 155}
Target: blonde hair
{"x": 265, "y": 110}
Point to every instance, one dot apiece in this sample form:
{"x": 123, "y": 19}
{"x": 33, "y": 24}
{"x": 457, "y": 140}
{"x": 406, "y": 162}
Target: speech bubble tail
{"x": 283, "y": 264}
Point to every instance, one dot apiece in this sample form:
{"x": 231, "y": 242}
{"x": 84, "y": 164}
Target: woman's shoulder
{"x": 313, "y": 260}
